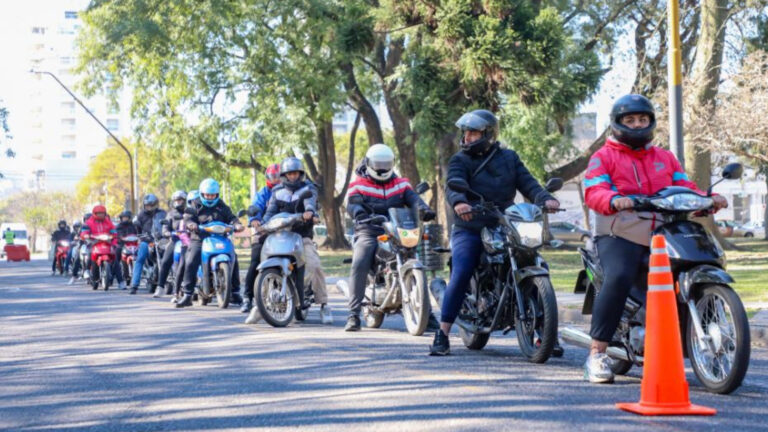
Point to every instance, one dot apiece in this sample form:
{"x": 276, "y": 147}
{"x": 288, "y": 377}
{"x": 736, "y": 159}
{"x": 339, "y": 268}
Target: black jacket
{"x": 285, "y": 200}
{"x": 367, "y": 197}
{"x": 498, "y": 181}
{"x": 61, "y": 234}
{"x": 149, "y": 222}
{"x": 125, "y": 229}
{"x": 171, "y": 223}
{"x": 202, "y": 215}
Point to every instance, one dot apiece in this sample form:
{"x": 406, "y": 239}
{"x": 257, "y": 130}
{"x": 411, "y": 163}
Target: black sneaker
{"x": 440, "y": 346}
{"x": 133, "y": 290}
{"x": 558, "y": 350}
{"x": 353, "y": 323}
{"x": 247, "y": 305}
{"x": 185, "y": 301}
{"x": 236, "y": 299}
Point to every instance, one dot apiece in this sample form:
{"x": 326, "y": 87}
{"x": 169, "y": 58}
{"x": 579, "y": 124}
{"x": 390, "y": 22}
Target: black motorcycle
{"x": 511, "y": 289}
{"x": 713, "y": 323}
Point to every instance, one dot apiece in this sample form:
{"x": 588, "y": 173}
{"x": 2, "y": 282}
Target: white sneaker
{"x": 326, "y": 315}
{"x": 254, "y": 316}
{"x": 159, "y": 291}
{"x": 597, "y": 369}
{"x": 72, "y": 280}
{"x": 122, "y": 285}
{"x": 86, "y": 274}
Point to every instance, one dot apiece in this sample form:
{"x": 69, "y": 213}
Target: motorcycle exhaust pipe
{"x": 579, "y": 338}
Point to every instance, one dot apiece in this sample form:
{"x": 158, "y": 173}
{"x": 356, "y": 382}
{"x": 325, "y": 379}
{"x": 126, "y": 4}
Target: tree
{"x": 5, "y": 136}
{"x": 41, "y": 211}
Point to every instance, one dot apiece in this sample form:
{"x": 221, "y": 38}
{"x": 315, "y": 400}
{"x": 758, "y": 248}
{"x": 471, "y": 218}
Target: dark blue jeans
{"x": 466, "y": 247}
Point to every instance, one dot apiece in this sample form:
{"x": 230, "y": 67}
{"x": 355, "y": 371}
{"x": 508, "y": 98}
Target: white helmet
{"x": 380, "y": 162}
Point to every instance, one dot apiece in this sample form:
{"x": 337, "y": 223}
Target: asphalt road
{"x": 76, "y": 359}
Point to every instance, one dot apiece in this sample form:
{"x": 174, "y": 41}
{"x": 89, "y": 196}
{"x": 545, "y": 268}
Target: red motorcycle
{"x": 128, "y": 256}
{"x": 62, "y": 250}
{"x": 102, "y": 257}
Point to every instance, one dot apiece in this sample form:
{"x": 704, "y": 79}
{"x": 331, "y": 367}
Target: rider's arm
{"x": 310, "y": 204}
{"x": 259, "y": 204}
{"x": 527, "y": 184}
{"x": 271, "y": 208}
{"x": 680, "y": 178}
{"x": 456, "y": 170}
{"x": 599, "y": 190}
{"x": 355, "y": 208}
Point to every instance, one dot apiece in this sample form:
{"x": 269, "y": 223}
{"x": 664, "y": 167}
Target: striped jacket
{"x": 616, "y": 170}
{"x": 366, "y": 197}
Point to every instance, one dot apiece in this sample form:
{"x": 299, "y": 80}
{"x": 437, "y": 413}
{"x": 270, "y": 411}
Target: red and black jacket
{"x": 367, "y": 197}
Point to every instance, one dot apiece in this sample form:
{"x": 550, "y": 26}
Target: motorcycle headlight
{"x": 683, "y": 202}
{"x": 64, "y": 243}
{"x": 217, "y": 229}
{"x": 531, "y": 233}
{"x": 104, "y": 237}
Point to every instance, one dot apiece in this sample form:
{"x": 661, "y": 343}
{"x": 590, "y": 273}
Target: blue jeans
{"x": 141, "y": 257}
{"x": 466, "y": 247}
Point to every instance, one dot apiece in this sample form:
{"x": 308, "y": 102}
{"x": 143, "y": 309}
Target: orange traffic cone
{"x": 664, "y": 390}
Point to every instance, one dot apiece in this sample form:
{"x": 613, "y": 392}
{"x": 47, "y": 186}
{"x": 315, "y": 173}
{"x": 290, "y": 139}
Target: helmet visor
{"x": 381, "y": 166}
{"x": 472, "y": 121}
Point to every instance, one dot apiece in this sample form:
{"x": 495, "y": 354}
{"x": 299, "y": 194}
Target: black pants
{"x": 250, "y": 277}
{"x": 364, "y": 252}
{"x": 192, "y": 263}
{"x": 623, "y": 267}
{"x": 166, "y": 262}
{"x": 117, "y": 268}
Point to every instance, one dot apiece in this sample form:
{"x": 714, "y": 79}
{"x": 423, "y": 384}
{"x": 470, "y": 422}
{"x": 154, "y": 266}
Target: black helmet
{"x": 77, "y": 225}
{"x": 62, "y": 224}
{"x": 478, "y": 120}
{"x": 292, "y": 164}
{"x": 179, "y": 195}
{"x": 86, "y": 217}
{"x": 125, "y": 214}
{"x": 150, "y": 200}
{"x": 632, "y": 104}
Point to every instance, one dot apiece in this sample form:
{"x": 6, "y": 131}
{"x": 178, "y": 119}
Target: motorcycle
{"x": 712, "y": 320}
{"x": 398, "y": 280}
{"x": 511, "y": 288}
{"x": 282, "y": 263}
{"x": 218, "y": 253}
{"x": 102, "y": 257}
{"x": 128, "y": 255}
{"x": 62, "y": 250}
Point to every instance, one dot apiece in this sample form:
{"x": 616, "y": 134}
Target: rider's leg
{"x": 362, "y": 261}
{"x": 250, "y": 277}
{"x": 192, "y": 262}
{"x": 621, "y": 261}
{"x": 141, "y": 257}
{"x": 466, "y": 247}
{"x": 166, "y": 262}
{"x": 313, "y": 272}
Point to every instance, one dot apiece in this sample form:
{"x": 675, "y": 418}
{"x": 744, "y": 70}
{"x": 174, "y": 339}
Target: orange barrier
{"x": 664, "y": 390}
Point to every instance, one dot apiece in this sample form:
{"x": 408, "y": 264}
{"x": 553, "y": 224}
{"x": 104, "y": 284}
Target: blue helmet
{"x": 191, "y": 196}
{"x": 211, "y": 187}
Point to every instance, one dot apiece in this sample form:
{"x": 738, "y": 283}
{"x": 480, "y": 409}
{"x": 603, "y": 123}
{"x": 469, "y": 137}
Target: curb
{"x": 758, "y": 331}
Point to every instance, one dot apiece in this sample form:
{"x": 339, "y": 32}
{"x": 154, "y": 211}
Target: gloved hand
{"x": 428, "y": 215}
{"x": 192, "y": 226}
{"x": 239, "y": 227}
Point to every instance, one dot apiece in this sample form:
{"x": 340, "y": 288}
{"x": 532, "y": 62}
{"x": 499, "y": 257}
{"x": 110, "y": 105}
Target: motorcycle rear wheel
{"x": 724, "y": 319}
{"x": 275, "y": 311}
{"x": 474, "y": 341}
{"x": 541, "y": 323}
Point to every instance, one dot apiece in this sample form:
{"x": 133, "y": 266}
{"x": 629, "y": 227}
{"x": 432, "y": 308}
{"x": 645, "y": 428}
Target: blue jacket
{"x": 260, "y": 202}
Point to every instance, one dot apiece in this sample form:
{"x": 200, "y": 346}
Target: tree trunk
{"x": 326, "y": 178}
{"x": 361, "y": 104}
{"x": 764, "y": 170}
{"x": 33, "y": 241}
{"x": 706, "y": 77}
{"x": 446, "y": 147}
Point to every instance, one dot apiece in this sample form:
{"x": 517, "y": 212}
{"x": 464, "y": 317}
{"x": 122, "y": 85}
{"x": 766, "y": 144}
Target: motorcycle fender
{"x": 218, "y": 259}
{"x": 412, "y": 264}
{"x": 700, "y": 275}
{"x": 581, "y": 282}
{"x": 526, "y": 272}
{"x": 282, "y": 263}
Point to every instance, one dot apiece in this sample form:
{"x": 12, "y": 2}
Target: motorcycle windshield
{"x": 403, "y": 218}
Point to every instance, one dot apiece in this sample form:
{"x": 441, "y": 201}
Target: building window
{"x": 70, "y": 14}
{"x": 68, "y": 107}
{"x": 68, "y": 155}
{"x": 38, "y": 30}
{"x": 68, "y": 123}
{"x": 66, "y": 60}
{"x": 113, "y": 125}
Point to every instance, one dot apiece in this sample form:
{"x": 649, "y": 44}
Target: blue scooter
{"x": 218, "y": 253}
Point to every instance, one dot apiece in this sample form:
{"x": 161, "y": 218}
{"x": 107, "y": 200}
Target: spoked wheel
{"x": 415, "y": 302}
{"x": 223, "y": 285}
{"x": 373, "y": 318}
{"x": 537, "y": 334}
{"x": 721, "y": 364}
{"x": 277, "y": 308}
{"x": 127, "y": 271}
{"x": 106, "y": 275}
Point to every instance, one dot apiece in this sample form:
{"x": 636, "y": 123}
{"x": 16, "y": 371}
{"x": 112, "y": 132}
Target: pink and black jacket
{"x": 366, "y": 194}
{"x": 617, "y": 170}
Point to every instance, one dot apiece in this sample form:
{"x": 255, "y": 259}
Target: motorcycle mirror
{"x": 733, "y": 171}
{"x": 421, "y": 188}
{"x": 458, "y": 185}
{"x": 554, "y": 184}
{"x": 241, "y": 213}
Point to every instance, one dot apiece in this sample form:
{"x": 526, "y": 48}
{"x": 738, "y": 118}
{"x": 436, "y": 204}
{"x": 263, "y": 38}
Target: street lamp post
{"x": 134, "y": 180}
{"x": 675, "y": 83}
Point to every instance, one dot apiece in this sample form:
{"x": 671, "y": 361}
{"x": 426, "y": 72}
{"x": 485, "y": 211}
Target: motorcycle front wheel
{"x": 223, "y": 285}
{"x": 537, "y": 334}
{"x": 474, "y": 341}
{"x": 415, "y": 302}
{"x": 276, "y": 310}
{"x": 106, "y": 275}
{"x": 724, "y": 320}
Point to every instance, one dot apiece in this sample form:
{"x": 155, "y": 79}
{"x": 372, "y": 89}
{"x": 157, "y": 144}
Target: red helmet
{"x": 99, "y": 209}
{"x": 272, "y": 174}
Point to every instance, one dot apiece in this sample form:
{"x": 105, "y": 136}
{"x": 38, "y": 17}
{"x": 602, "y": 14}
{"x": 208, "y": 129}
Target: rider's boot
{"x": 433, "y": 324}
{"x": 441, "y": 346}
{"x": 185, "y": 301}
{"x": 353, "y": 323}
{"x": 134, "y": 289}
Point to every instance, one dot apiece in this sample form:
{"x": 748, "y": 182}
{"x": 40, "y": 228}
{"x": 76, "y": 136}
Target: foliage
{"x": 41, "y": 211}
{"x": 5, "y": 136}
